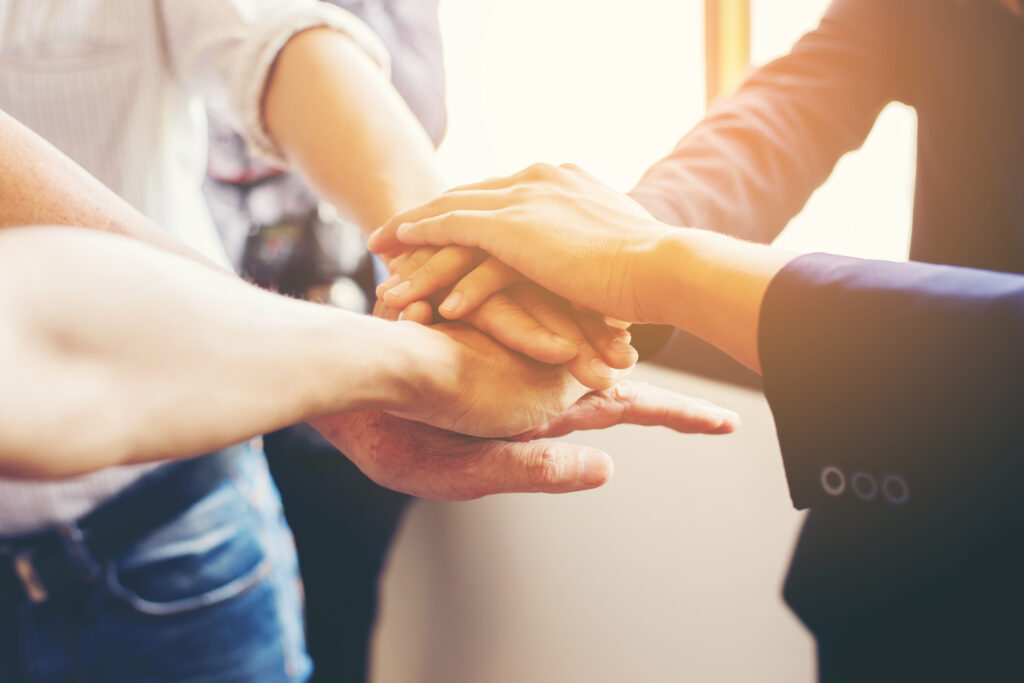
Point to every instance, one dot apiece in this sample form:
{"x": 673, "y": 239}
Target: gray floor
{"x": 671, "y": 572}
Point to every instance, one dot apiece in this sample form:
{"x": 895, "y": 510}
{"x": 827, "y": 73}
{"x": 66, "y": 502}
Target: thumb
{"x": 640, "y": 404}
{"x": 538, "y": 467}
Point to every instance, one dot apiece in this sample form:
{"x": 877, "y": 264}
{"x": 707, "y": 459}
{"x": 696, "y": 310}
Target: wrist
{"x": 662, "y": 278}
{"x": 366, "y": 363}
{"x": 712, "y": 286}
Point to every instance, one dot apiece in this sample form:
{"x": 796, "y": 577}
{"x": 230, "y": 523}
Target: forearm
{"x": 41, "y": 186}
{"x": 753, "y": 162}
{"x": 341, "y": 123}
{"x": 114, "y": 352}
{"x": 713, "y": 287}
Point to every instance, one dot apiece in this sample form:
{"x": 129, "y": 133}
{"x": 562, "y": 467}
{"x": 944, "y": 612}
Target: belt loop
{"x": 29, "y": 577}
{"x": 78, "y": 552}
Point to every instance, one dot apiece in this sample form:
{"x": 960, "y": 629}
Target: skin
{"x": 596, "y": 247}
{"x": 41, "y": 186}
{"x": 341, "y": 124}
{"x": 100, "y": 374}
{"x": 739, "y": 272}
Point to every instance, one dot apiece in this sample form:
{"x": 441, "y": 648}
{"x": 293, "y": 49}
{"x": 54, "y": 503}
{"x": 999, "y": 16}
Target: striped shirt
{"x": 119, "y": 86}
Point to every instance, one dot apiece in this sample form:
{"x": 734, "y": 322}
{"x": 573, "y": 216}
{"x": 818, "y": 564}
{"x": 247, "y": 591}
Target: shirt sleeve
{"x": 751, "y": 164}
{"x": 897, "y": 385}
{"x": 224, "y": 50}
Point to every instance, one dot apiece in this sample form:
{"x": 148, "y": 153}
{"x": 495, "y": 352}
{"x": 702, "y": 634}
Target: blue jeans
{"x": 211, "y": 597}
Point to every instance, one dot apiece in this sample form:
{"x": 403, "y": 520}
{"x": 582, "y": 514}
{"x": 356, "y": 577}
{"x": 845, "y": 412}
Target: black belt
{"x": 45, "y": 565}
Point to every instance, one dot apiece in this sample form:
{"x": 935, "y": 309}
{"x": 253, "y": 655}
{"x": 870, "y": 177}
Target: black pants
{"x": 343, "y": 525}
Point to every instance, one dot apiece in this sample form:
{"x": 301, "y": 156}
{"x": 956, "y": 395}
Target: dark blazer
{"x": 898, "y": 394}
{"x": 889, "y": 383}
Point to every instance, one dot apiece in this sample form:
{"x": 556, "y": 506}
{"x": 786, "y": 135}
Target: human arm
{"x": 892, "y": 370}
{"x": 599, "y": 249}
{"x": 751, "y": 164}
{"x": 41, "y": 186}
{"x": 115, "y": 352}
{"x": 427, "y": 462}
{"x": 132, "y": 354}
{"x": 326, "y": 96}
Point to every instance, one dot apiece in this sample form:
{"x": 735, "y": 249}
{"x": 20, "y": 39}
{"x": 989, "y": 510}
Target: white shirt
{"x": 119, "y": 86}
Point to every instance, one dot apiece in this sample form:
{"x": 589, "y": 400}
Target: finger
{"x": 382, "y": 310}
{"x": 532, "y": 173}
{"x": 534, "y": 467}
{"x": 640, "y": 404}
{"x": 615, "y": 322}
{"x": 395, "y": 262}
{"x": 408, "y": 265}
{"x": 612, "y": 343}
{"x": 587, "y": 365}
{"x": 384, "y": 240}
{"x": 443, "y": 268}
{"x": 486, "y": 279}
{"x": 507, "y": 321}
{"x": 418, "y": 312}
{"x": 459, "y": 226}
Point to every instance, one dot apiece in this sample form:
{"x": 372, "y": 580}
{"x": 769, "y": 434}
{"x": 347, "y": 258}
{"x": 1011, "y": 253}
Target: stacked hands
{"x": 533, "y": 262}
{"x": 542, "y": 238}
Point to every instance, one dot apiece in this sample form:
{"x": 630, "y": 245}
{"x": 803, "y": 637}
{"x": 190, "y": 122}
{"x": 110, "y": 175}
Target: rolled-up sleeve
{"x": 224, "y": 51}
{"x": 897, "y": 385}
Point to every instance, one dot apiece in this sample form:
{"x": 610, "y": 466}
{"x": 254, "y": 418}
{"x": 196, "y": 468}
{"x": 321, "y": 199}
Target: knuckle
{"x": 500, "y": 306}
{"x": 548, "y": 469}
{"x": 542, "y": 171}
{"x": 519, "y": 194}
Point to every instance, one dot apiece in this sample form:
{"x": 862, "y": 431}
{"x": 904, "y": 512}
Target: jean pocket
{"x": 210, "y": 554}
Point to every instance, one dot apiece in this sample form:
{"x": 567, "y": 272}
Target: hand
{"x": 427, "y": 462}
{"x": 471, "y": 384}
{"x": 558, "y": 226}
{"x": 523, "y": 317}
{"x": 424, "y": 461}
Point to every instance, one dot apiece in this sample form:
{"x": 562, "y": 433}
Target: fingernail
{"x": 451, "y": 303}
{"x": 403, "y": 229}
{"x": 562, "y": 341}
{"x": 595, "y": 467}
{"x": 621, "y": 345}
{"x": 728, "y": 416}
{"x": 388, "y": 284}
{"x": 601, "y": 369}
{"x": 400, "y": 289}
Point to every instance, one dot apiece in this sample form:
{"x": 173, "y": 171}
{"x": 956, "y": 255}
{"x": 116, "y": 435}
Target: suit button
{"x": 864, "y": 485}
{"x": 833, "y": 480}
{"x": 895, "y": 489}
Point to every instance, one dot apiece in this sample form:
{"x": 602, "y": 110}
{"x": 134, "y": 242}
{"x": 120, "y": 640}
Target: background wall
{"x": 672, "y": 571}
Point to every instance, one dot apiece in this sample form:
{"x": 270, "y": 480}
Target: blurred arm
{"x": 41, "y": 186}
{"x": 339, "y": 121}
{"x": 755, "y": 159}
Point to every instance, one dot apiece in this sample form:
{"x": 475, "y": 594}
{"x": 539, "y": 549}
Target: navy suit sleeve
{"x": 755, "y": 159}
{"x": 899, "y": 385}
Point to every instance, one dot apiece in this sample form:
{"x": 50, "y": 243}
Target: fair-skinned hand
{"x": 424, "y": 461}
{"x": 557, "y": 226}
{"x": 518, "y": 314}
{"x": 473, "y": 385}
